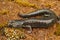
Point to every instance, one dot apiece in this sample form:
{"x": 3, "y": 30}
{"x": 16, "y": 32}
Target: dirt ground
{"x": 37, "y": 33}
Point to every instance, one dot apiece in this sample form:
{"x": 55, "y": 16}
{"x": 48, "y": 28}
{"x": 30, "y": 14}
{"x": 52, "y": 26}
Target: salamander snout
{"x": 15, "y": 23}
{"x": 11, "y": 23}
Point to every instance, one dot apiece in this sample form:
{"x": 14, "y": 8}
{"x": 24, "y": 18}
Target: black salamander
{"x": 49, "y": 18}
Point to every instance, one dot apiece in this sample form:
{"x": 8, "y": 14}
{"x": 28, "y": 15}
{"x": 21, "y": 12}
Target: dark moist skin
{"x": 49, "y": 18}
{"x": 38, "y": 13}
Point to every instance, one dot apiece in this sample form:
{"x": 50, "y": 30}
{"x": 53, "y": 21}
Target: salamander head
{"x": 15, "y": 23}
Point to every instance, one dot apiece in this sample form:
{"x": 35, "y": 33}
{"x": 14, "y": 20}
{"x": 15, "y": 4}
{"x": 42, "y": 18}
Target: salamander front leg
{"x": 30, "y": 29}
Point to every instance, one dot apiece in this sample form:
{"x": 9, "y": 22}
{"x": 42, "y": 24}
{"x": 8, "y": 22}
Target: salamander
{"x": 49, "y": 18}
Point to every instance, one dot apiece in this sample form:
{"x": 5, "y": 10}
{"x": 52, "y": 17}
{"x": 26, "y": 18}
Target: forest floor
{"x": 12, "y": 8}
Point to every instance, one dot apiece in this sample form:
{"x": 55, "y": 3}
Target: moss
{"x": 3, "y": 24}
{"x": 48, "y": 5}
{"x": 11, "y": 0}
{"x": 57, "y": 32}
{"x": 8, "y": 0}
{"x": 25, "y": 3}
{"x": 4, "y": 12}
{"x": 12, "y": 33}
